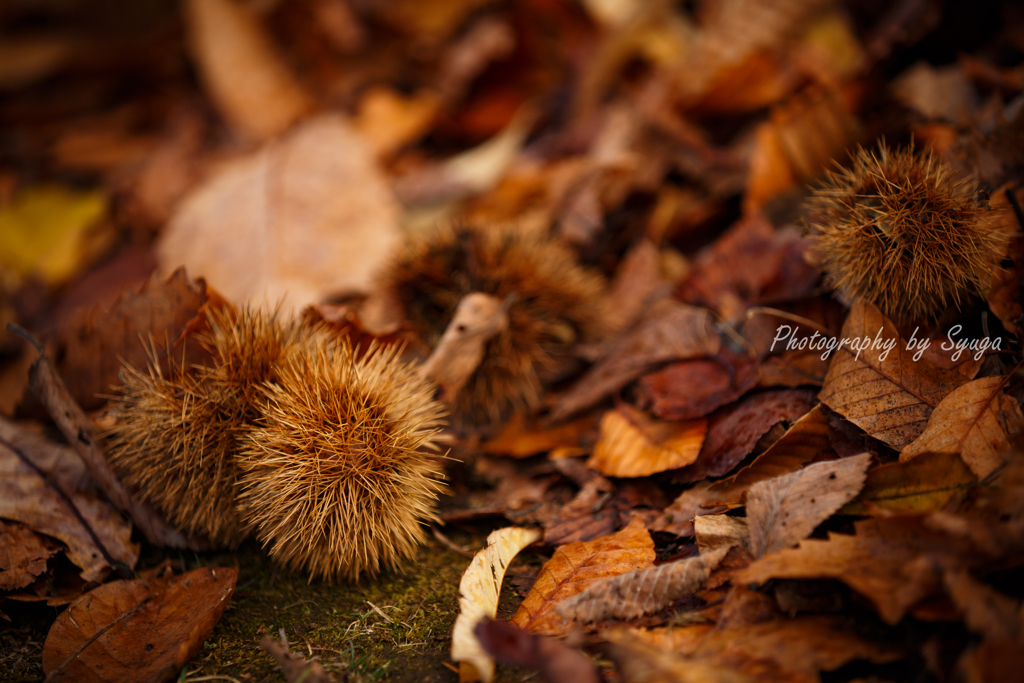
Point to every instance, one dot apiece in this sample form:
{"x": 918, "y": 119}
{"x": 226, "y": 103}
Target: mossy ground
{"x": 395, "y": 627}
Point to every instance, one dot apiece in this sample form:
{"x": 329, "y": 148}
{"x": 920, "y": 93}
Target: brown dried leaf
{"x": 643, "y": 591}
{"x": 992, "y": 614}
{"x": 694, "y": 388}
{"x": 574, "y": 567}
{"x": 669, "y": 331}
{"x": 94, "y": 343}
{"x": 890, "y": 398}
{"x": 720, "y": 531}
{"x": 890, "y": 561}
{"x": 734, "y": 431}
{"x": 297, "y": 221}
{"x": 640, "y": 661}
{"x": 634, "y": 445}
{"x": 147, "y": 628}
{"x": 924, "y": 484}
{"x": 976, "y": 421}
{"x": 23, "y": 555}
{"x": 478, "y": 598}
{"x": 786, "y": 509}
{"x": 250, "y": 85}
{"x": 552, "y": 658}
{"x": 25, "y": 497}
{"x": 294, "y": 666}
{"x": 520, "y": 439}
{"x": 681, "y": 640}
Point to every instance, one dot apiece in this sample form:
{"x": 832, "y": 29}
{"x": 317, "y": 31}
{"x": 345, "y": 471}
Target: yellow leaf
{"x": 46, "y": 231}
{"x": 479, "y": 590}
{"x": 924, "y": 484}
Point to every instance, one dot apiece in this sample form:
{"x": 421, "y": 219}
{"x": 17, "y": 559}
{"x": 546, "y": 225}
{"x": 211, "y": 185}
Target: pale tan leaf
{"x": 248, "y": 82}
{"x": 635, "y": 445}
{"x": 888, "y": 395}
{"x": 976, "y": 421}
{"x": 786, "y": 509}
{"x": 720, "y": 531}
{"x": 300, "y": 220}
{"x": 643, "y": 591}
{"x": 640, "y": 661}
{"x": 574, "y": 567}
{"x": 478, "y": 598}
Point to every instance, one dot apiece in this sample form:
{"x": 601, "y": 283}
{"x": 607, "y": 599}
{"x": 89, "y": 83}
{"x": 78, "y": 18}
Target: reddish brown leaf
{"x": 23, "y": 555}
{"x": 888, "y": 395}
{"x": 145, "y": 630}
{"x": 555, "y": 661}
{"x": 734, "y": 431}
{"x": 683, "y": 391}
{"x": 519, "y": 439}
{"x": 576, "y": 566}
{"x": 634, "y": 445}
{"x": 669, "y": 331}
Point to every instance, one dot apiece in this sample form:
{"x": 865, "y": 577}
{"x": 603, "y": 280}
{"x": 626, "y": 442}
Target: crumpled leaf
{"x": 50, "y": 232}
{"x": 694, "y": 388}
{"x": 25, "y": 497}
{"x": 786, "y": 509}
{"x": 642, "y": 591}
{"x": 890, "y": 399}
{"x": 720, "y": 531}
{"x": 149, "y": 628}
{"x": 23, "y": 555}
{"x": 95, "y": 343}
{"x": 250, "y": 85}
{"x": 574, "y": 567}
{"x": 478, "y": 598}
{"x": 300, "y": 220}
{"x": 550, "y": 657}
{"x": 669, "y": 331}
{"x": 921, "y": 485}
{"x": 976, "y": 421}
{"x": 634, "y": 445}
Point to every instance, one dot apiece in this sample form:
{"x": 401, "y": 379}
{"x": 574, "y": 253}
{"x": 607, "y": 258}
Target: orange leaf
{"x": 635, "y": 445}
{"x": 576, "y": 566}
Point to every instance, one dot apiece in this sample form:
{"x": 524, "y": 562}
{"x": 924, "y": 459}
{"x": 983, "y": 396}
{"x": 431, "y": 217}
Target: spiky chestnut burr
{"x": 341, "y": 471}
{"x": 898, "y": 229}
{"x": 176, "y": 436}
{"x": 543, "y": 302}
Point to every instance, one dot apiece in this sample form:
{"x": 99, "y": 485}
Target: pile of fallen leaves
{"x": 712, "y": 496}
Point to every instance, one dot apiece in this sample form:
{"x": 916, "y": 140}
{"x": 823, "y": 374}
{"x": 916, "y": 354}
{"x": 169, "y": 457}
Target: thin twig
{"x": 121, "y": 567}
{"x": 56, "y": 672}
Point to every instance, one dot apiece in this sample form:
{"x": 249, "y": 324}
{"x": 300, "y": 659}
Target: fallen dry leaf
{"x": 95, "y": 343}
{"x": 23, "y": 555}
{"x": 574, "y": 567}
{"x": 680, "y": 640}
{"x": 976, "y": 421}
{"x": 550, "y": 657}
{"x": 720, "y": 531}
{"x": 786, "y": 509}
{"x": 922, "y": 485}
{"x": 669, "y": 331}
{"x": 643, "y": 591}
{"x": 520, "y": 439}
{"x": 694, "y": 388}
{"x": 639, "y": 661}
{"x": 478, "y": 599}
{"x": 632, "y": 444}
{"x": 735, "y": 430}
{"x": 293, "y": 665}
{"x": 247, "y": 81}
{"x": 27, "y": 498}
{"x": 890, "y": 561}
{"x": 890, "y": 397}
{"x": 302, "y": 219}
{"x": 988, "y": 612}
{"x": 141, "y": 630}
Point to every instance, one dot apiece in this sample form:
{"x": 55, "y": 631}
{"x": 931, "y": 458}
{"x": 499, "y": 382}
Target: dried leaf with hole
{"x": 576, "y": 566}
{"x": 478, "y": 598}
{"x": 643, "y": 591}
{"x": 976, "y": 421}
{"x": 249, "y": 84}
{"x": 924, "y": 484}
{"x": 27, "y": 498}
{"x": 786, "y": 509}
{"x": 142, "y": 630}
{"x": 634, "y": 445}
{"x": 889, "y": 395}
{"x": 302, "y": 219}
